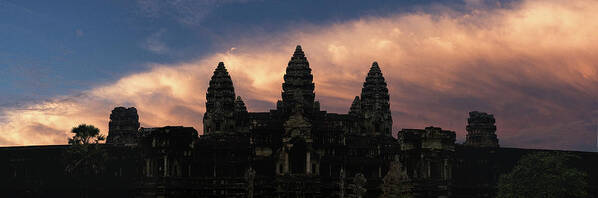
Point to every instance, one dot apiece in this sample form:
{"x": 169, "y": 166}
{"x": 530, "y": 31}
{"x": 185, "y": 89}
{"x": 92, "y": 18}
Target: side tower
{"x": 224, "y": 150}
{"x": 481, "y": 130}
{"x": 241, "y": 116}
{"x": 374, "y": 106}
{"x": 223, "y": 112}
{"x": 123, "y": 126}
{"x": 298, "y": 87}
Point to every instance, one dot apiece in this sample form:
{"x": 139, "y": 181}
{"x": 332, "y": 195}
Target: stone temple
{"x": 295, "y": 150}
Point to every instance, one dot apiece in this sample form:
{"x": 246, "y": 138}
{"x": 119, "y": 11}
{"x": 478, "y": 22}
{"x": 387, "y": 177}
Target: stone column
{"x": 285, "y": 168}
{"x": 443, "y": 169}
{"x": 147, "y": 168}
{"x": 307, "y": 163}
{"x": 165, "y": 166}
{"x": 317, "y": 169}
{"x": 341, "y": 183}
{"x": 428, "y": 172}
{"x": 448, "y": 170}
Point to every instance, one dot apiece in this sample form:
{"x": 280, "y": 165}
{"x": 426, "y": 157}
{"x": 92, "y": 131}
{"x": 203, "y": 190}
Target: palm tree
{"x": 85, "y": 134}
{"x": 85, "y": 157}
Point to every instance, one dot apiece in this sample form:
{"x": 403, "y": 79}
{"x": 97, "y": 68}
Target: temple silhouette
{"x": 295, "y": 150}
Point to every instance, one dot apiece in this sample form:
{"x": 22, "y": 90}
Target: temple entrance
{"x": 297, "y": 157}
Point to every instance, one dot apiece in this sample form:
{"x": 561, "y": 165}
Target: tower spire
{"x": 375, "y": 105}
{"x": 241, "y": 116}
{"x": 298, "y": 52}
{"x": 298, "y": 86}
{"x": 220, "y": 102}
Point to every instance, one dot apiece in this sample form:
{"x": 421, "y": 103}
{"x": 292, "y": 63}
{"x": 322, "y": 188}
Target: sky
{"x": 533, "y": 64}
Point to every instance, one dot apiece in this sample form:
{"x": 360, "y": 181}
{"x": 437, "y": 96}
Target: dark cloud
{"x": 187, "y": 12}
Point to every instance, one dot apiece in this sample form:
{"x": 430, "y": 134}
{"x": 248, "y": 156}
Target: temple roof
{"x": 375, "y": 105}
{"x": 221, "y": 85}
{"x": 374, "y": 86}
{"x": 355, "y": 106}
{"x": 298, "y": 82}
{"x": 240, "y": 105}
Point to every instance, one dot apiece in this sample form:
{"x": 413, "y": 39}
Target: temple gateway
{"x": 296, "y": 150}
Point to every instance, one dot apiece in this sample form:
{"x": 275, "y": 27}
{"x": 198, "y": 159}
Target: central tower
{"x": 297, "y": 110}
{"x": 298, "y": 87}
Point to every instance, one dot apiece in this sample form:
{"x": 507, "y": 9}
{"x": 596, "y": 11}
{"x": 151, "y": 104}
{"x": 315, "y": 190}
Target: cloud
{"x": 154, "y": 43}
{"x": 534, "y": 64}
{"x": 186, "y": 12}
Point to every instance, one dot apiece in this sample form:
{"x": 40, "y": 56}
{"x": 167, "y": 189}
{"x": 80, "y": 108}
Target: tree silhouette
{"x": 85, "y": 157}
{"x": 85, "y": 134}
{"x": 543, "y": 175}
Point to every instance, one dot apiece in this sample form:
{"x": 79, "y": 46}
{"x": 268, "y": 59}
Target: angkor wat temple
{"x": 295, "y": 150}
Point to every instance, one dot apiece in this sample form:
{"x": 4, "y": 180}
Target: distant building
{"x": 295, "y": 150}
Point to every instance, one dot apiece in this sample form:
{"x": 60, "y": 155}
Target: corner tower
{"x": 375, "y": 106}
{"x": 481, "y": 131}
{"x": 123, "y": 126}
{"x": 220, "y": 103}
{"x": 298, "y": 87}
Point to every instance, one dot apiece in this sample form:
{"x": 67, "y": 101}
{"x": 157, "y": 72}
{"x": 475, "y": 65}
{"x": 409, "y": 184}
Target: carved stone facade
{"x": 427, "y": 157}
{"x": 295, "y": 150}
{"x": 374, "y": 110}
{"x": 123, "y": 126}
{"x": 481, "y": 130}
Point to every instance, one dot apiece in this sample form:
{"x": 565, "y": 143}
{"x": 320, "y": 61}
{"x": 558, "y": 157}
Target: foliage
{"x": 543, "y": 175}
{"x": 85, "y": 156}
{"x": 85, "y": 134}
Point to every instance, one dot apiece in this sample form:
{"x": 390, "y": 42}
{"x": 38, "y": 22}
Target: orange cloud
{"x": 533, "y": 64}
